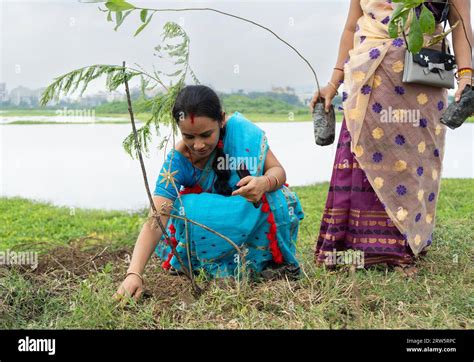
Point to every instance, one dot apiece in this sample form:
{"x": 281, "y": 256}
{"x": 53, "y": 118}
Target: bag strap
{"x": 444, "y": 15}
{"x": 443, "y": 44}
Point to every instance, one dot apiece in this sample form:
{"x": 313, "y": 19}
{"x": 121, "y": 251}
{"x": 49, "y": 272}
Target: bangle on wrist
{"x": 334, "y": 86}
{"x": 340, "y": 69}
{"x": 135, "y": 273}
{"x": 268, "y": 182}
{"x": 277, "y": 181}
{"x": 463, "y": 71}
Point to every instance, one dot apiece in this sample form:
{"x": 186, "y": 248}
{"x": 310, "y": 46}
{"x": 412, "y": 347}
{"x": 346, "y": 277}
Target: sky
{"x": 41, "y": 40}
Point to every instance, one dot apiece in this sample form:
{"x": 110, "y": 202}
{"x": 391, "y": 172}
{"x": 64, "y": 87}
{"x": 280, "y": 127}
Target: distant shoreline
{"x": 122, "y": 118}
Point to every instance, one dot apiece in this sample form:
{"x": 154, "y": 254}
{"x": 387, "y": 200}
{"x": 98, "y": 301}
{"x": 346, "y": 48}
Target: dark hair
{"x": 202, "y": 101}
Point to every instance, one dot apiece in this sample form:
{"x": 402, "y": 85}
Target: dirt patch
{"x": 164, "y": 287}
{"x": 61, "y": 268}
{"x": 79, "y": 257}
{"x": 74, "y": 261}
{"x": 78, "y": 260}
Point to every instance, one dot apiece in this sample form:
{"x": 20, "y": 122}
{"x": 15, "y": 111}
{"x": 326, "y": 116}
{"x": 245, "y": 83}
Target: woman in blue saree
{"x": 200, "y": 179}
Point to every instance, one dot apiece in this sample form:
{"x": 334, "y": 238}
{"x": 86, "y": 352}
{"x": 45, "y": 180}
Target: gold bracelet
{"x": 464, "y": 71}
{"x": 334, "y": 86}
{"x": 137, "y": 274}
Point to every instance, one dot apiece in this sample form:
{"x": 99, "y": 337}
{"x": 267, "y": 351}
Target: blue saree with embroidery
{"x": 267, "y": 234}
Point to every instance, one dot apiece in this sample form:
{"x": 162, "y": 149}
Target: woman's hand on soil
{"x": 252, "y": 188}
{"x": 132, "y": 286}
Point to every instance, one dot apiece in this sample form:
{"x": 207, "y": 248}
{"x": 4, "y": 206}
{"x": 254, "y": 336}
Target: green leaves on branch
{"x": 415, "y": 37}
{"x": 118, "y": 5}
{"x": 119, "y": 18}
{"x": 427, "y": 21}
{"x": 122, "y": 9}
{"x": 405, "y": 17}
{"x": 397, "y": 21}
{"x": 82, "y": 77}
{"x": 161, "y": 107}
{"x": 174, "y": 47}
{"x": 143, "y": 15}
{"x": 143, "y": 18}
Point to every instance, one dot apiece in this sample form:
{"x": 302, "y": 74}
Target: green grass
{"x": 56, "y": 225}
{"x": 257, "y": 118}
{"x": 61, "y": 294}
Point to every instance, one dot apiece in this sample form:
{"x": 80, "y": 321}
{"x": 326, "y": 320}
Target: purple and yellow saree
{"x": 386, "y": 177}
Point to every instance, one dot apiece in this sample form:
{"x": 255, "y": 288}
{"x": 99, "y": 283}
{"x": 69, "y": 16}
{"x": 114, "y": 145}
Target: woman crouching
{"x": 204, "y": 179}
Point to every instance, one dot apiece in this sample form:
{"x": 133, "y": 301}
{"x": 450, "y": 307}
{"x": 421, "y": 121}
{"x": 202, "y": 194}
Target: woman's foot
{"x": 174, "y": 272}
{"x": 276, "y": 272}
{"x": 407, "y": 270}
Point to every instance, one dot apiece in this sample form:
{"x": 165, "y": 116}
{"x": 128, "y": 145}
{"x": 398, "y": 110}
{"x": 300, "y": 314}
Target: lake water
{"x": 86, "y": 166}
{"x": 87, "y": 118}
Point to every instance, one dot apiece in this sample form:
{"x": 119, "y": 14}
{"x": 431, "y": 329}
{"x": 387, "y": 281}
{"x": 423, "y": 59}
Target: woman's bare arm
{"x": 274, "y": 170}
{"x": 347, "y": 40}
{"x": 462, "y": 36}
{"x": 147, "y": 239}
{"x": 132, "y": 285}
{"x": 462, "y": 39}
{"x": 346, "y": 44}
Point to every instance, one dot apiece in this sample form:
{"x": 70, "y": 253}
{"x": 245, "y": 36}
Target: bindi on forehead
{"x": 200, "y": 124}
{"x": 198, "y": 132}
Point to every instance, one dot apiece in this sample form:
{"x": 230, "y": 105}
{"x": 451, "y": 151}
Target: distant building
{"x": 287, "y": 90}
{"x": 114, "y": 96}
{"x": 93, "y": 100}
{"x": 22, "y": 96}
